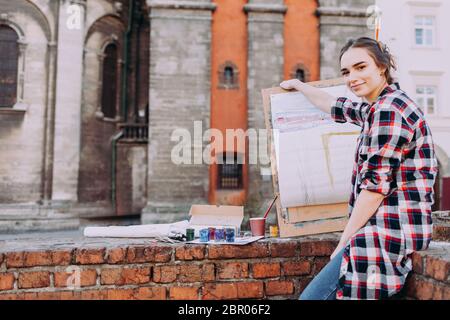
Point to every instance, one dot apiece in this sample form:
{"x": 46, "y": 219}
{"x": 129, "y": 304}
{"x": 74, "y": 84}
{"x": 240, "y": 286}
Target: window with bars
{"x": 230, "y": 172}
{"x": 427, "y": 99}
{"x": 9, "y": 59}
{"x": 109, "y": 81}
{"x": 424, "y": 31}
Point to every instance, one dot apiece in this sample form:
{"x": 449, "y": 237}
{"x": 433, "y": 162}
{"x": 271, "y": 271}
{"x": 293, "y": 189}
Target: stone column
{"x": 265, "y": 70}
{"x": 179, "y": 95}
{"x": 68, "y": 100}
{"x": 340, "y": 21}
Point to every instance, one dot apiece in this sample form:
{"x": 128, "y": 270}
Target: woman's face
{"x": 361, "y": 74}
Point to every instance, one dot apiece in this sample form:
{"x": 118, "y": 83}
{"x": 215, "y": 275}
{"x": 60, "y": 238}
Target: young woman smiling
{"x": 392, "y": 183}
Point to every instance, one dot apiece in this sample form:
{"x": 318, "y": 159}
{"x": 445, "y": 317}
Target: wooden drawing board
{"x": 304, "y": 220}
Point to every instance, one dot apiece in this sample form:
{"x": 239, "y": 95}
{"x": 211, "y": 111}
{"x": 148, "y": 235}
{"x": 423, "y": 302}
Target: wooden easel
{"x": 306, "y": 220}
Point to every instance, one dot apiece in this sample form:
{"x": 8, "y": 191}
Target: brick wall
{"x": 268, "y": 269}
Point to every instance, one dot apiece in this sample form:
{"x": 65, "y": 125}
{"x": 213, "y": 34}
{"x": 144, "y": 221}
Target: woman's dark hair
{"x": 378, "y": 51}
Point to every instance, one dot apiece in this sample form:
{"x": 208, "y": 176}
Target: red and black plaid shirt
{"x": 394, "y": 157}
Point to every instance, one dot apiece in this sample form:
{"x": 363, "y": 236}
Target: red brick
{"x": 266, "y": 270}
{"x": 232, "y": 270}
{"x": 1, "y": 258}
{"x": 441, "y": 291}
{"x": 11, "y": 296}
{"x": 417, "y": 263}
{"x": 58, "y": 295}
{"x": 90, "y": 256}
{"x": 437, "y": 268}
{"x": 116, "y": 255}
{"x": 318, "y": 248}
{"x": 219, "y": 291}
{"x": 296, "y": 268}
{"x": 419, "y": 288}
{"x": 38, "y": 279}
{"x": 320, "y": 263}
{"x": 184, "y": 293}
{"x": 274, "y": 288}
{"x": 150, "y": 293}
{"x": 165, "y": 274}
{"x": 93, "y": 295}
{"x": 190, "y": 252}
{"x": 250, "y": 290}
{"x": 6, "y": 281}
{"x": 122, "y": 276}
{"x": 149, "y": 254}
{"x": 38, "y": 258}
{"x": 87, "y": 278}
{"x": 196, "y": 273}
{"x": 283, "y": 249}
{"x": 120, "y": 294}
{"x": 253, "y": 250}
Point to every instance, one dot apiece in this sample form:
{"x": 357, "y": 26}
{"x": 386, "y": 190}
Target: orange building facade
{"x": 229, "y": 64}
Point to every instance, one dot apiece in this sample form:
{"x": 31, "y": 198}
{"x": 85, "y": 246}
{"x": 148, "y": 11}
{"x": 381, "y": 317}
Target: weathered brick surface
{"x": 6, "y": 281}
{"x": 276, "y": 287}
{"x": 250, "y": 290}
{"x": 253, "y": 250}
{"x": 90, "y": 256}
{"x": 317, "y": 248}
{"x": 437, "y": 268}
{"x": 165, "y": 274}
{"x": 320, "y": 263}
{"x": 417, "y": 262}
{"x": 69, "y": 279}
{"x": 184, "y": 293}
{"x": 220, "y": 291}
{"x": 266, "y": 270}
{"x": 151, "y": 293}
{"x": 122, "y": 276}
{"x": 232, "y": 270}
{"x": 190, "y": 252}
{"x": 116, "y": 255}
{"x": 149, "y": 254}
{"x": 38, "y": 258}
{"x": 38, "y": 279}
{"x": 283, "y": 249}
{"x": 296, "y": 268}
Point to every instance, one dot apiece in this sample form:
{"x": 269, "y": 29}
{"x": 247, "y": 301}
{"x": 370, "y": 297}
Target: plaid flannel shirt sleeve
{"x": 389, "y": 133}
{"x": 344, "y": 110}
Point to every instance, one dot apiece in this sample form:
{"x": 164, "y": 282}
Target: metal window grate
{"x": 109, "y": 81}
{"x": 9, "y": 56}
{"x": 230, "y": 173}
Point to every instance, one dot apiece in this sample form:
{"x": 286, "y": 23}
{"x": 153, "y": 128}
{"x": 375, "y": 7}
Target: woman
{"x": 392, "y": 184}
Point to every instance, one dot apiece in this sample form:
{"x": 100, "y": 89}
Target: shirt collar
{"x": 390, "y": 88}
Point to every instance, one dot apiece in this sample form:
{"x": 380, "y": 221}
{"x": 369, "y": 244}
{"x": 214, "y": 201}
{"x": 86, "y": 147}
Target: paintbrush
{"x": 267, "y": 212}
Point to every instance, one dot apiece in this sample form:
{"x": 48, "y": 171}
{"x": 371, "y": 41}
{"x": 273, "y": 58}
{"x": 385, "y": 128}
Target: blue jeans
{"x": 324, "y": 285}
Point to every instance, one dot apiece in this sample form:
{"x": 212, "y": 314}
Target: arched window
{"x": 300, "y": 72}
{"x": 300, "y": 75}
{"x": 228, "y": 76}
{"x": 9, "y": 59}
{"x": 109, "y": 81}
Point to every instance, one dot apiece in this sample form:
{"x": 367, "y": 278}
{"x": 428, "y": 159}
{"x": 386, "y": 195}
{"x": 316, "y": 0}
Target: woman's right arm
{"x": 318, "y": 97}
{"x": 341, "y": 109}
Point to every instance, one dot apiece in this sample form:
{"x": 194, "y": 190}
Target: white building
{"x": 417, "y": 34}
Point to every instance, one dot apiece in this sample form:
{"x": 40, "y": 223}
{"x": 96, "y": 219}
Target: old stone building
{"x": 92, "y": 92}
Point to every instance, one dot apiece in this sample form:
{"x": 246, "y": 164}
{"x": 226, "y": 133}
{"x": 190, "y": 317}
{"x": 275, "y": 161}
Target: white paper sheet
{"x": 138, "y": 231}
{"x": 314, "y": 154}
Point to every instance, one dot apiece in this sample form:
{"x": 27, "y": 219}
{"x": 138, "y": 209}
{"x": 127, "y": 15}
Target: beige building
{"x": 416, "y": 32}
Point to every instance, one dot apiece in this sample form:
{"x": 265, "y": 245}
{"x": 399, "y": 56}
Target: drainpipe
{"x": 124, "y": 102}
{"x": 114, "y": 140}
